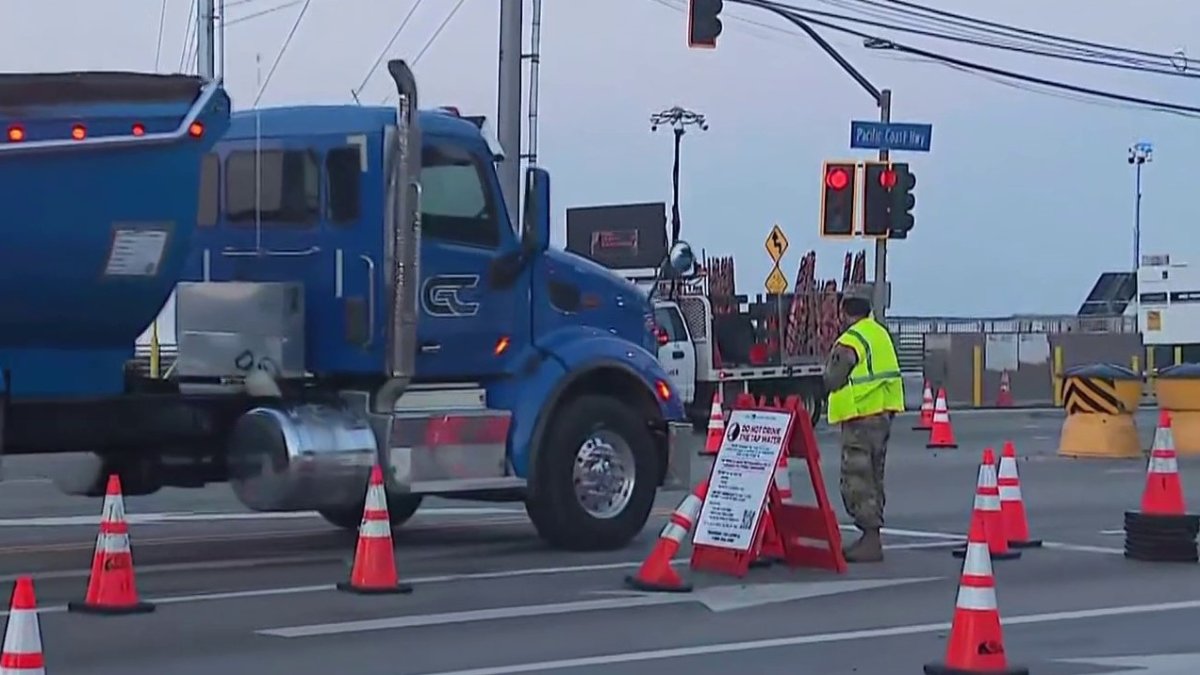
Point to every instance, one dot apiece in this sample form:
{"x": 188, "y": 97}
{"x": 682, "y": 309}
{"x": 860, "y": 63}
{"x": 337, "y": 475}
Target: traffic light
{"x": 903, "y": 202}
{"x": 704, "y": 23}
{"x": 839, "y": 191}
{"x": 878, "y": 180}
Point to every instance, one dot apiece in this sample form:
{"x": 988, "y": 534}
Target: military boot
{"x": 869, "y": 548}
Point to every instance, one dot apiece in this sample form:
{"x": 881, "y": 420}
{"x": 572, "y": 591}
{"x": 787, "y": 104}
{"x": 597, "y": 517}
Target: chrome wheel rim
{"x": 604, "y": 474}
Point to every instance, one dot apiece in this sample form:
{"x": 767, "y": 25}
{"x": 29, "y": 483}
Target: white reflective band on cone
{"x": 375, "y": 528}
{"x": 1163, "y": 465}
{"x": 674, "y": 532}
{"x": 1008, "y": 467}
{"x": 115, "y": 543}
{"x": 978, "y": 599}
{"x": 113, "y": 510}
{"x": 22, "y": 635}
{"x": 375, "y": 498}
{"x": 988, "y": 474}
{"x": 1010, "y": 493}
{"x": 978, "y": 560}
{"x": 689, "y": 509}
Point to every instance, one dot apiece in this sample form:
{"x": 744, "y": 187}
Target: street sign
{"x": 776, "y": 282}
{"x": 776, "y": 243}
{"x": 890, "y": 136}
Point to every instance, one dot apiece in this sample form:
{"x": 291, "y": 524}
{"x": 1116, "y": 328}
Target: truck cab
{"x": 357, "y": 280}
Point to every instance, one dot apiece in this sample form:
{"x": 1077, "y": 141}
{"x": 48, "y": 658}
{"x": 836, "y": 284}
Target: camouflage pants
{"x": 864, "y": 452}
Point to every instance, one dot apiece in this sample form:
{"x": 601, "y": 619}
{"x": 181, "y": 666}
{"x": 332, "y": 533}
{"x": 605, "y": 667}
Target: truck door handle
{"x": 430, "y": 347}
{"x": 370, "y": 299}
{"x": 677, "y": 355}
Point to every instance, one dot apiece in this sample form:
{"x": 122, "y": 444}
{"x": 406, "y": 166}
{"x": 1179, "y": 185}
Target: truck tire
{"x": 400, "y": 509}
{"x": 603, "y": 430}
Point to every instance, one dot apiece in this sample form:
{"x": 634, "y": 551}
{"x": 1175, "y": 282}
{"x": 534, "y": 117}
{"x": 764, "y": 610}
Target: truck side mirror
{"x": 535, "y": 221}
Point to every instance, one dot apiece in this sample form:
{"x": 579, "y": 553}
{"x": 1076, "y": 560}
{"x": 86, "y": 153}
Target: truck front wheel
{"x": 400, "y": 509}
{"x": 596, "y": 476}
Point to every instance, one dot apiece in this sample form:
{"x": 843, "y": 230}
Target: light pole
{"x": 1139, "y": 154}
{"x": 679, "y": 119}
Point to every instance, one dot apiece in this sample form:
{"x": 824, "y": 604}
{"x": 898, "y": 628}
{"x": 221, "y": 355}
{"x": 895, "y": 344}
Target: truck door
{"x": 676, "y": 352}
{"x": 467, "y": 329}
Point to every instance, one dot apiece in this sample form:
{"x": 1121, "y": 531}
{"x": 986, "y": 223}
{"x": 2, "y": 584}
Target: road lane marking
{"x": 715, "y": 598}
{"x": 439, "y": 579}
{"x": 801, "y": 640}
{"x": 207, "y": 566}
{"x": 219, "y": 516}
{"x": 948, "y": 537}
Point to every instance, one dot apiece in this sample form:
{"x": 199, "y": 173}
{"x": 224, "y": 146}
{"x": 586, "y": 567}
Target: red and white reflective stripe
{"x": 467, "y": 429}
{"x": 1010, "y": 484}
{"x": 372, "y": 528}
{"x": 977, "y": 589}
{"x": 22, "y": 645}
{"x": 682, "y": 519}
{"x": 1010, "y": 493}
{"x": 1163, "y": 461}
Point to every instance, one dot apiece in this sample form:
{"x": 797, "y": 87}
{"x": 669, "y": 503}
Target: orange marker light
{"x": 139, "y": 129}
{"x": 16, "y": 134}
{"x": 196, "y": 130}
{"x": 501, "y": 346}
{"x": 78, "y": 132}
{"x": 664, "y": 390}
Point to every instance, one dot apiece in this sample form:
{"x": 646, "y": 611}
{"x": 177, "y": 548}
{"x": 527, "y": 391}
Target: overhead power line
{"x": 386, "y": 48}
{"x": 1089, "y": 60}
{"x": 1015, "y": 29}
{"x": 282, "y": 50}
{"x": 978, "y": 67}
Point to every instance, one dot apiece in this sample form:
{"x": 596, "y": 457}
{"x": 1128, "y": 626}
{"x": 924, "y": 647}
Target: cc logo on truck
{"x": 440, "y": 295}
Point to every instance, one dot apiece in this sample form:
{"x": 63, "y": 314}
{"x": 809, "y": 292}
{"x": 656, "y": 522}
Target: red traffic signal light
{"x": 837, "y": 178}
{"x": 887, "y": 178}
{"x": 839, "y": 192}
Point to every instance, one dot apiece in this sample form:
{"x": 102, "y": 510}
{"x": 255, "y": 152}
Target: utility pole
{"x": 508, "y": 107}
{"x": 679, "y": 119}
{"x": 206, "y": 39}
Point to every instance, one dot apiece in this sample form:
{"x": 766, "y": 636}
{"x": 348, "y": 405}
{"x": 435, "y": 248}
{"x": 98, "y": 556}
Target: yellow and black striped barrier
{"x": 1100, "y": 401}
{"x": 1177, "y": 388}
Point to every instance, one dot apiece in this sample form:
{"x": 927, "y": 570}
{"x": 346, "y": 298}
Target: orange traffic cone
{"x": 374, "y": 570}
{"x": 22, "y": 652}
{"x": 1004, "y": 398}
{"x": 1163, "y": 495}
{"x": 976, "y": 643}
{"x": 1012, "y": 506}
{"x": 925, "y": 422}
{"x": 656, "y": 572}
{"x": 716, "y": 425}
{"x": 111, "y": 586}
{"x": 987, "y": 504}
{"x": 941, "y": 434}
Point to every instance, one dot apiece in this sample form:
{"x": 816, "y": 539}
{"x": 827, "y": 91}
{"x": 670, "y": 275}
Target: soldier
{"x": 863, "y": 378}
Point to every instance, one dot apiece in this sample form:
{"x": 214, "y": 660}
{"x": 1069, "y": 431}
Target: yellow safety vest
{"x": 875, "y": 385}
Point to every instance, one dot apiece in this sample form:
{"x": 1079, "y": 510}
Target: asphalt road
{"x": 245, "y": 593}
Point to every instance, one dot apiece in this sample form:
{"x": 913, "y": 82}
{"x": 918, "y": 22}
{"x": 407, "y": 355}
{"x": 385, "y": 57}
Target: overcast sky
{"x": 1024, "y": 199}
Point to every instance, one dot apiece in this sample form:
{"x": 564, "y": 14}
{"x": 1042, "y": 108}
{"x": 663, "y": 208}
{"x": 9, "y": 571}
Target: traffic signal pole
{"x": 883, "y": 99}
{"x": 879, "y": 296}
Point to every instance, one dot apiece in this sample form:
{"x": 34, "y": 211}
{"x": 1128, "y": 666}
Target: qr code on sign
{"x": 747, "y": 519}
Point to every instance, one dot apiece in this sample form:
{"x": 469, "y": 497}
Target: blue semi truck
{"x": 349, "y": 288}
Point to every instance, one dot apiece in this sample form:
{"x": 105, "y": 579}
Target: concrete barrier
{"x": 1100, "y": 400}
{"x": 1177, "y": 389}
